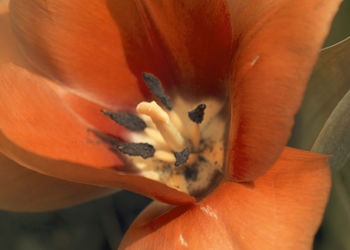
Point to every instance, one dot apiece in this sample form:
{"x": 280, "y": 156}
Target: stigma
{"x": 174, "y": 141}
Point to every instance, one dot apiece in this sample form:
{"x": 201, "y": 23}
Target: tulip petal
{"x": 10, "y": 53}
{"x": 34, "y": 117}
{"x": 25, "y": 190}
{"x": 279, "y": 45}
{"x": 79, "y": 44}
{"x": 100, "y": 48}
{"x": 6, "y": 37}
{"x": 3, "y": 5}
{"x": 40, "y": 132}
{"x": 9, "y": 46}
{"x": 104, "y": 177}
{"x": 280, "y": 210}
{"x": 91, "y": 113}
{"x": 190, "y": 42}
{"x": 240, "y": 47}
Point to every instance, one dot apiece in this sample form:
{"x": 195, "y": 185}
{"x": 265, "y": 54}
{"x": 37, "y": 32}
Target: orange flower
{"x": 247, "y": 60}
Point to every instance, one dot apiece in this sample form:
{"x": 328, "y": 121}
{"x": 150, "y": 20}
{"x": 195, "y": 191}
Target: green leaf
{"x": 335, "y": 135}
{"x": 323, "y": 125}
{"x": 336, "y": 225}
{"x": 329, "y": 82}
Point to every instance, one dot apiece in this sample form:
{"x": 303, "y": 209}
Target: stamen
{"x": 156, "y": 136}
{"x": 144, "y": 150}
{"x": 196, "y": 136}
{"x": 176, "y": 120}
{"x": 164, "y": 146}
{"x": 156, "y": 88}
{"x": 181, "y": 157}
{"x": 197, "y": 114}
{"x": 147, "y": 120}
{"x": 128, "y": 120}
{"x": 153, "y": 110}
{"x": 165, "y": 156}
{"x": 161, "y": 119}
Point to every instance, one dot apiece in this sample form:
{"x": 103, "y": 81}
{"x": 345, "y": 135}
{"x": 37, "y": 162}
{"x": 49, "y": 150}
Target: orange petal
{"x": 39, "y": 131}
{"x": 9, "y": 52}
{"x": 104, "y": 177}
{"x": 280, "y": 210}
{"x": 25, "y": 190}
{"x": 79, "y": 44}
{"x": 242, "y": 44}
{"x": 279, "y": 44}
{"x": 91, "y": 113}
{"x": 3, "y": 5}
{"x": 9, "y": 46}
{"x": 100, "y": 48}
{"x": 34, "y": 117}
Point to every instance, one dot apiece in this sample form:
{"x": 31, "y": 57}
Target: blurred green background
{"x": 99, "y": 225}
{"x": 334, "y": 233}
{"x": 341, "y": 25}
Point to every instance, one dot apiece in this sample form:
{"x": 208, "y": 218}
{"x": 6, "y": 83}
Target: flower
{"x": 250, "y": 58}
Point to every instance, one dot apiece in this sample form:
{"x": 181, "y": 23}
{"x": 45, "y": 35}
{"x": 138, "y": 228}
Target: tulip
{"x": 215, "y": 86}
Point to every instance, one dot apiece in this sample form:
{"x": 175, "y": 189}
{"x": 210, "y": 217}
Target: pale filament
{"x": 154, "y": 111}
{"x": 196, "y": 137}
{"x": 155, "y": 135}
{"x": 147, "y": 120}
{"x": 161, "y": 119}
{"x": 176, "y": 120}
{"x": 166, "y": 132}
{"x": 164, "y": 156}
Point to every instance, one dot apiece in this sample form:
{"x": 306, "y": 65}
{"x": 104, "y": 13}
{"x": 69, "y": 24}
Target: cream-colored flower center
{"x": 180, "y": 143}
{"x": 172, "y": 132}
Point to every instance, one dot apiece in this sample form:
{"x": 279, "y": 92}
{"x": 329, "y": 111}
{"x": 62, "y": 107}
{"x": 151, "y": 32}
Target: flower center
{"x": 180, "y": 144}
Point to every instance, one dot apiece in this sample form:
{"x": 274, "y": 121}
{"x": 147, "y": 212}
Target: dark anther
{"x": 181, "y": 157}
{"x": 197, "y": 114}
{"x": 128, "y": 120}
{"x": 156, "y": 88}
{"x": 144, "y": 150}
